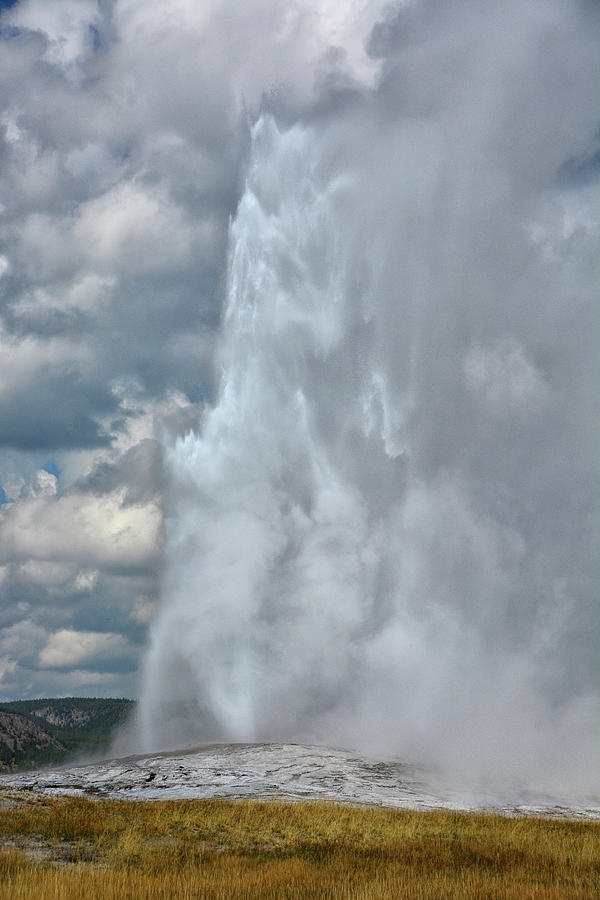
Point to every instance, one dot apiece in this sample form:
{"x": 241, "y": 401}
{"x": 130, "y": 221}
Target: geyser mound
{"x": 288, "y": 772}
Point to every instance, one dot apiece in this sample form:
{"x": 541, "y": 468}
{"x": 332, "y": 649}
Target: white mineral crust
{"x": 292, "y": 772}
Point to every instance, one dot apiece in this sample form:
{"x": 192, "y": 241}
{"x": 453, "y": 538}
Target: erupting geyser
{"x": 383, "y": 533}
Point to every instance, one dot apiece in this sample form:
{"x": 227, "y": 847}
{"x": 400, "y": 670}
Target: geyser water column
{"x": 273, "y": 558}
{"x": 382, "y": 533}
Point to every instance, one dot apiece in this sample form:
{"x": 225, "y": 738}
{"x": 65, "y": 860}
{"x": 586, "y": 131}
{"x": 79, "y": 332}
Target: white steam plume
{"x": 383, "y": 534}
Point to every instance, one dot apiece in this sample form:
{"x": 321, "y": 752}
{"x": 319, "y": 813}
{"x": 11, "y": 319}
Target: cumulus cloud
{"x": 68, "y": 648}
{"x": 7, "y": 667}
{"x": 139, "y": 231}
{"x": 98, "y": 531}
{"x": 43, "y": 484}
{"x": 86, "y": 580}
{"x": 65, "y": 27}
{"x": 42, "y": 572}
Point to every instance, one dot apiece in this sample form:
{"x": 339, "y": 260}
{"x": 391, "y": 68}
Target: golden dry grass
{"x": 73, "y": 848}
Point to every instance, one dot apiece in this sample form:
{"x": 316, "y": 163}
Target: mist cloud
{"x": 370, "y": 541}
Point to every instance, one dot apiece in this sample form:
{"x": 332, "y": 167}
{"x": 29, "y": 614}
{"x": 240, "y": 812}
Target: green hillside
{"x": 53, "y": 730}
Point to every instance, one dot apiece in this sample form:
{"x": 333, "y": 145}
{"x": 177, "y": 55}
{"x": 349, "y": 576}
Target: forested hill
{"x": 48, "y": 731}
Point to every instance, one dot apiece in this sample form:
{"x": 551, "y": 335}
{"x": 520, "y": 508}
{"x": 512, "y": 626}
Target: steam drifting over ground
{"x": 382, "y": 535}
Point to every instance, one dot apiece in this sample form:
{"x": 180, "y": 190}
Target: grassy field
{"x": 74, "y": 848}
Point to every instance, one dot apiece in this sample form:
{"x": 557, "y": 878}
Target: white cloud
{"x": 7, "y": 667}
{"x": 86, "y": 580}
{"x": 97, "y": 531}
{"x": 43, "y": 572}
{"x": 88, "y": 293}
{"x": 21, "y": 359}
{"x": 81, "y": 678}
{"x": 143, "y": 611}
{"x": 65, "y": 23}
{"x": 67, "y": 647}
{"x": 44, "y": 484}
{"x": 21, "y": 639}
{"x": 135, "y": 229}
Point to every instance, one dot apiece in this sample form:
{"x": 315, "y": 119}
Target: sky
{"x": 126, "y": 131}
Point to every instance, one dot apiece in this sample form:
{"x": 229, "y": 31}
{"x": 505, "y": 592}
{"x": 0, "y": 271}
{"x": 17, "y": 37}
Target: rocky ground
{"x": 287, "y": 772}
{"x": 18, "y": 732}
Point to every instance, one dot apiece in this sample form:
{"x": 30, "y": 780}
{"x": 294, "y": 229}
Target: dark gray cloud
{"x": 55, "y": 410}
{"x": 138, "y": 471}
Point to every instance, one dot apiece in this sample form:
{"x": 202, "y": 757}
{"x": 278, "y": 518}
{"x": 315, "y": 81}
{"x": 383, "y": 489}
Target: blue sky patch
{"x": 51, "y": 466}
